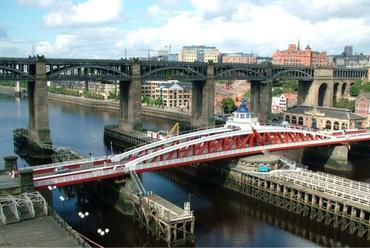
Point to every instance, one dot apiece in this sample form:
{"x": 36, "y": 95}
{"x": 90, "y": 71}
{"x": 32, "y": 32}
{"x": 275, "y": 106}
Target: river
{"x": 223, "y": 218}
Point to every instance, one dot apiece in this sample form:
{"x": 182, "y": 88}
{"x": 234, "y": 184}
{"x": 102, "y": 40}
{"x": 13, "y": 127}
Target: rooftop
{"x": 335, "y": 113}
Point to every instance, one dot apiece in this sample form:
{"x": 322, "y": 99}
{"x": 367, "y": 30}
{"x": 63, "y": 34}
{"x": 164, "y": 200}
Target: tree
{"x": 247, "y": 94}
{"x": 277, "y": 91}
{"x": 158, "y": 102}
{"x": 345, "y": 103}
{"x": 290, "y": 86}
{"x": 228, "y": 105}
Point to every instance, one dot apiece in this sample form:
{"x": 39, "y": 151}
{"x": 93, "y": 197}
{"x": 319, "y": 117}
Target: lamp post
{"x": 83, "y": 216}
{"x": 64, "y": 209}
{"x": 51, "y": 188}
{"x": 102, "y": 233}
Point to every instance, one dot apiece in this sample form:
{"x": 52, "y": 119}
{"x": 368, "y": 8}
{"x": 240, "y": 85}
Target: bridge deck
{"x": 173, "y": 209}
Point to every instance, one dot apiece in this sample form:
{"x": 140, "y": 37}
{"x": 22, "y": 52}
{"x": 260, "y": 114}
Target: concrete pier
{"x": 130, "y": 101}
{"x": 38, "y": 104}
{"x": 203, "y": 93}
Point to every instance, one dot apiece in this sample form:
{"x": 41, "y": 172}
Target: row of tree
{"x": 152, "y": 101}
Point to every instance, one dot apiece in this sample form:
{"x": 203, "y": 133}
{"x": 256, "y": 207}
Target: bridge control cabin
{"x": 242, "y": 118}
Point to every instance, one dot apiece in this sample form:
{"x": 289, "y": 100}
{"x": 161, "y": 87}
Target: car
{"x": 61, "y": 169}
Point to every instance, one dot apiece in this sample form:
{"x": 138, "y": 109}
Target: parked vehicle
{"x": 61, "y": 169}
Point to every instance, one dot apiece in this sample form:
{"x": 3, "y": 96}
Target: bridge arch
{"x": 344, "y": 89}
{"x": 292, "y": 73}
{"x": 173, "y": 71}
{"x": 54, "y": 73}
{"x": 13, "y": 70}
{"x": 323, "y": 91}
{"x": 234, "y": 71}
{"x": 336, "y": 91}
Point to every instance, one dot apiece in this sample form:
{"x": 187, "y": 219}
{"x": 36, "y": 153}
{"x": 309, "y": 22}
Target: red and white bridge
{"x": 194, "y": 147}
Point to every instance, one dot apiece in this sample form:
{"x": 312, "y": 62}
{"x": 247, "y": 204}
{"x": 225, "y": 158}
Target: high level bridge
{"x": 317, "y": 86}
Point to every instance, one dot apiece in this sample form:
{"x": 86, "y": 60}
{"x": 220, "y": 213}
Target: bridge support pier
{"x": 130, "y": 101}
{"x": 38, "y": 104}
{"x": 334, "y": 157}
{"x": 303, "y": 89}
{"x": 321, "y": 90}
{"x": 255, "y": 97}
{"x": 266, "y": 101}
{"x": 203, "y": 94}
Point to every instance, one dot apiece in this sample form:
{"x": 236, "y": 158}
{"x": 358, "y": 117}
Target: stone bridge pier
{"x": 203, "y": 94}
{"x": 321, "y": 89}
{"x": 130, "y": 101}
{"x": 38, "y": 103}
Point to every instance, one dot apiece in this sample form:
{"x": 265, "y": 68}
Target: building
{"x": 199, "y": 54}
{"x": 174, "y": 94}
{"x": 283, "y": 102}
{"x": 295, "y": 56}
{"x": 323, "y": 118}
{"x": 348, "y": 59}
{"x": 362, "y": 106}
{"x": 238, "y": 58}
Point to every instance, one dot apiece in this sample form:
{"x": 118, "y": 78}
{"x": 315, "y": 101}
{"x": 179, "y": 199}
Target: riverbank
{"x": 111, "y": 105}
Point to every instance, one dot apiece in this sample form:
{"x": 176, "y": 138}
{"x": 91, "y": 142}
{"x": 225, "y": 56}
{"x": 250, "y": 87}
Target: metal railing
{"x": 314, "y": 181}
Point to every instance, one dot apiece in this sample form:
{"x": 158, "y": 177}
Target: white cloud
{"x": 261, "y": 26}
{"x": 154, "y": 10}
{"x": 37, "y": 3}
{"x": 85, "y": 13}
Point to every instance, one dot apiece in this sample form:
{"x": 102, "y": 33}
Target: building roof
{"x": 176, "y": 85}
{"x": 335, "y": 113}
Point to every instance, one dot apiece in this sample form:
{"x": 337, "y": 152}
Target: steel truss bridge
{"x": 190, "y": 148}
{"x": 122, "y": 70}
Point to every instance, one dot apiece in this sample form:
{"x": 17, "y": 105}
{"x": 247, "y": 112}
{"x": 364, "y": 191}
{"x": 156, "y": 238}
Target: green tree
{"x": 345, "y": 103}
{"x": 145, "y": 99}
{"x": 354, "y": 90}
{"x": 158, "y": 102}
{"x": 277, "y": 91}
{"x": 290, "y": 86}
{"x": 228, "y": 105}
{"x": 247, "y": 94}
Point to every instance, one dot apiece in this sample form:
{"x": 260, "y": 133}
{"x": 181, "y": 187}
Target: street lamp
{"x": 64, "y": 209}
{"x": 83, "y": 216}
{"x": 103, "y": 232}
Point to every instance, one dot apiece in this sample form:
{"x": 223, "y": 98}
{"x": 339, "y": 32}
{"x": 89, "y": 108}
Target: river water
{"x": 223, "y": 217}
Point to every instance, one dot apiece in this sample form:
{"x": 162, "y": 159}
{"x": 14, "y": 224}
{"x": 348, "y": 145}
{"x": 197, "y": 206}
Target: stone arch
{"x": 344, "y": 126}
{"x": 300, "y": 120}
{"x": 328, "y": 125}
{"x": 336, "y": 125}
{"x": 287, "y": 118}
{"x": 294, "y": 119}
{"x": 323, "y": 90}
{"x": 344, "y": 89}
{"x": 336, "y": 92}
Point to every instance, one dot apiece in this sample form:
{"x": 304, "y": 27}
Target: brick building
{"x": 362, "y": 106}
{"x": 295, "y": 56}
{"x": 239, "y": 58}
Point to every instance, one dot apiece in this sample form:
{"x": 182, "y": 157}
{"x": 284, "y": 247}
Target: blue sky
{"x": 105, "y": 28}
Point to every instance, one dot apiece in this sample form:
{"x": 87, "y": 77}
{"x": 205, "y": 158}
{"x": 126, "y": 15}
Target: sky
{"x": 108, "y": 28}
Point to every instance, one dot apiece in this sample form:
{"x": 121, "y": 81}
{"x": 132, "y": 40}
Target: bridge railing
{"x": 182, "y": 133}
{"x": 145, "y": 166}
